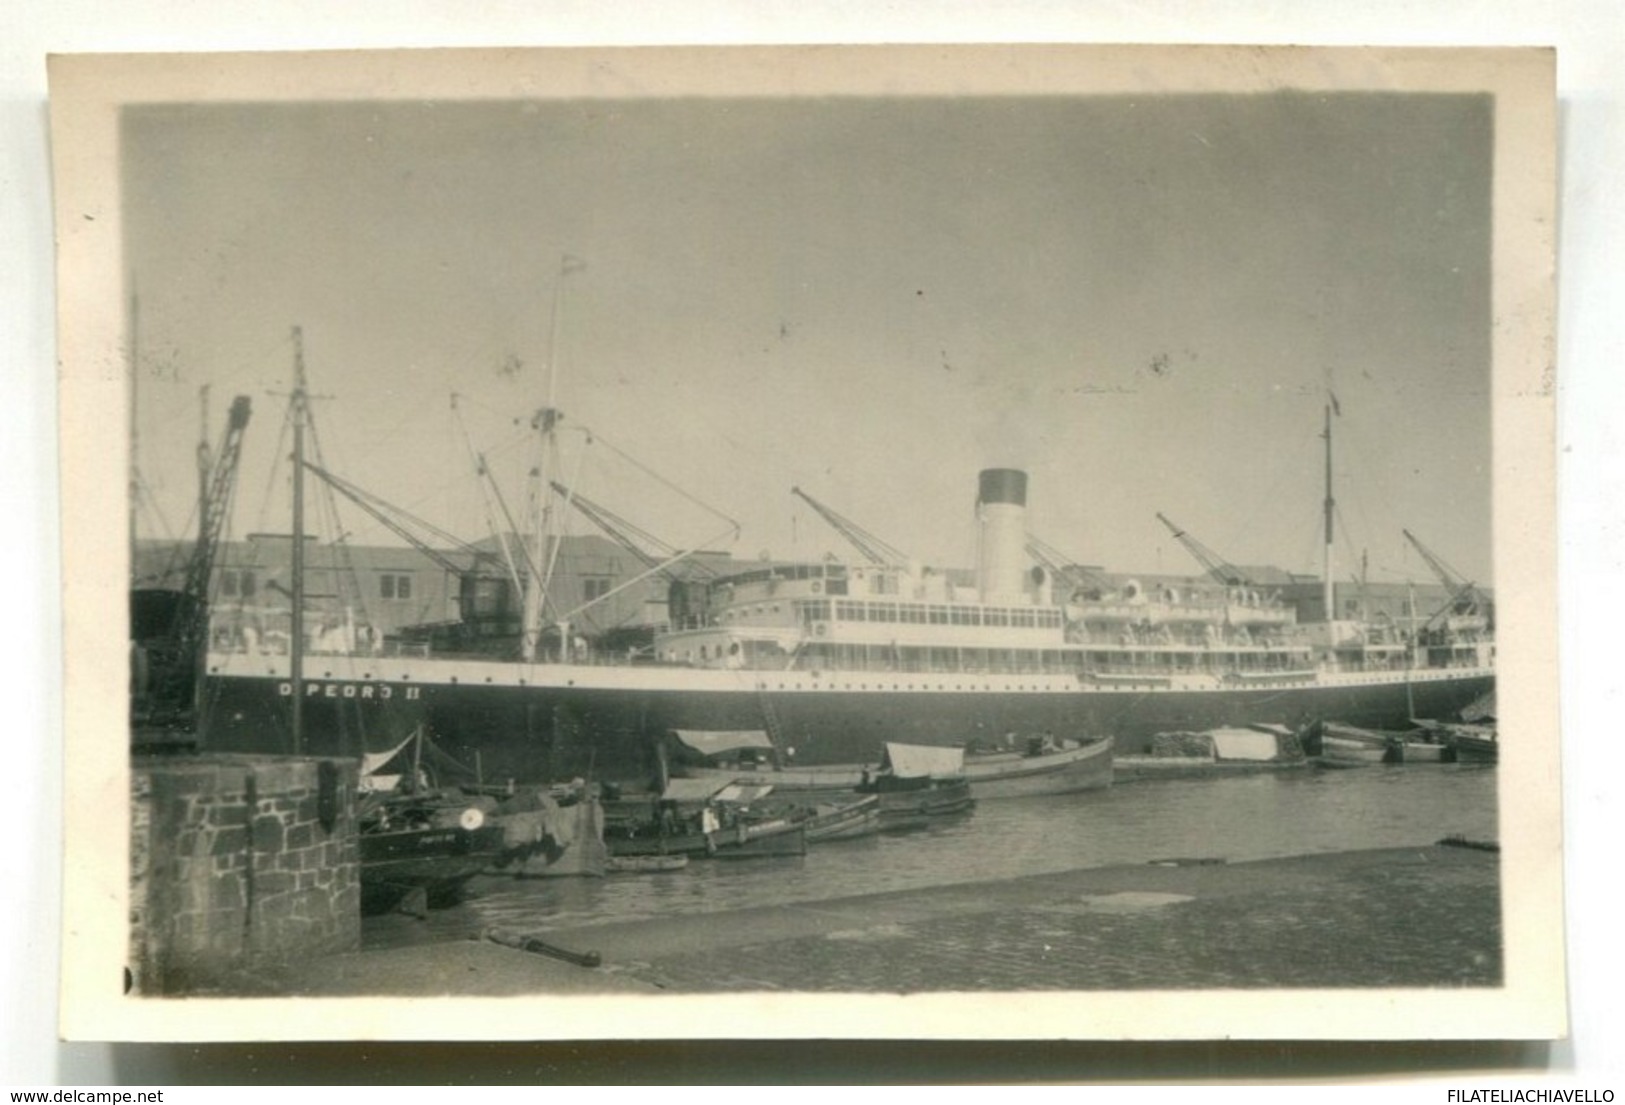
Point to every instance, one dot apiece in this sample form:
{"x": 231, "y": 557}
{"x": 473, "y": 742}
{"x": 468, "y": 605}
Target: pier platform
{"x": 1423, "y": 916}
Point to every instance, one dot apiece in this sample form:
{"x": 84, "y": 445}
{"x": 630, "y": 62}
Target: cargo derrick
{"x": 685, "y": 594}
{"x": 485, "y": 608}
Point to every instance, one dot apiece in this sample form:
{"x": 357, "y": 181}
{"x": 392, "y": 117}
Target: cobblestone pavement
{"x": 1427, "y": 917}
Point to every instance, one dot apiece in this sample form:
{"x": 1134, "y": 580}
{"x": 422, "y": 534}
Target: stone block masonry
{"x": 239, "y": 865}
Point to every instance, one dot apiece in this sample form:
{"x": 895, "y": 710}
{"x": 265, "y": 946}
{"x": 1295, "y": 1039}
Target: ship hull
{"x": 541, "y": 723}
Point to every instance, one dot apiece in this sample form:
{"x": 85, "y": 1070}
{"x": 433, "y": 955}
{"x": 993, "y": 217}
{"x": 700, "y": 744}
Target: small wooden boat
{"x": 918, "y": 783}
{"x": 842, "y": 820}
{"x": 779, "y": 838}
{"x": 702, "y": 818}
{"x": 1420, "y": 750}
{"x": 1332, "y": 744}
{"x": 643, "y": 865}
{"x": 418, "y": 852}
{"x": 1475, "y": 744}
{"x": 1042, "y": 768}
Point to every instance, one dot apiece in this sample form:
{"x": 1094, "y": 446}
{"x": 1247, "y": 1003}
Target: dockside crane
{"x": 222, "y": 483}
{"x": 170, "y": 663}
{"x": 1215, "y": 565}
{"x": 1466, "y": 600}
{"x": 1064, "y": 568}
{"x": 874, "y": 550}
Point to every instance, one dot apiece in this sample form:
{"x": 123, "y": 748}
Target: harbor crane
{"x": 173, "y": 659}
{"x": 1062, "y": 567}
{"x": 1214, "y": 564}
{"x": 1466, "y": 600}
{"x": 222, "y": 482}
{"x": 874, "y": 550}
{"x": 633, "y": 538}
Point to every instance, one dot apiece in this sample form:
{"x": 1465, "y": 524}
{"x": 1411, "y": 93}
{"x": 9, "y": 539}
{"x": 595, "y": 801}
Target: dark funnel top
{"x": 1003, "y": 485}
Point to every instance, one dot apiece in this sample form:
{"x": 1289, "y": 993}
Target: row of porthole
{"x": 405, "y": 677}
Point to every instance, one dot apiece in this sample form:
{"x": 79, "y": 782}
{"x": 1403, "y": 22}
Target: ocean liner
{"x": 832, "y": 660}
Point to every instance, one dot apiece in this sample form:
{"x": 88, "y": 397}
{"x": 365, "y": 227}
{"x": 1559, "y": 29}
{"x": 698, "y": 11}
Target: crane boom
{"x": 217, "y": 496}
{"x": 874, "y": 550}
{"x": 1465, "y": 598}
{"x": 168, "y": 679}
{"x": 1061, "y": 566}
{"x": 1214, "y": 564}
{"x": 396, "y": 519}
{"x": 630, "y": 536}
{"x": 1447, "y": 575}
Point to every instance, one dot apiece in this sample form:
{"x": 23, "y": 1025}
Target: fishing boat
{"x": 1259, "y": 747}
{"x": 832, "y": 660}
{"x": 419, "y": 851}
{"x": 916, "y": 784}
{"x": 702, "y": 819}
{"x": 1044, "y": 766}
{"x": 835, "y": 819}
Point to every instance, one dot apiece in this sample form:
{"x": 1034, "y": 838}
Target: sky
{"x": 1143, "y": 301}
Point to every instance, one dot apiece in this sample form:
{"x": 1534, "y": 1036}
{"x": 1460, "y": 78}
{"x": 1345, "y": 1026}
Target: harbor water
{"x": 1230, "y": 818}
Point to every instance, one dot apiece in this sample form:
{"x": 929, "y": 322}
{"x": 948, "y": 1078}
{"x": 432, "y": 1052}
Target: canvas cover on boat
{"x": 914, "y": 761}
{"x": 693, "y": 790}
{"x": 714, "y": 742}
{"x": 371, "y": 762}
{"x": 743, "y": 793}
{"x": 1244, "y": 744}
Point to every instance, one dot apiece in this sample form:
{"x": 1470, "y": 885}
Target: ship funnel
{"x": 1001, "y": 515}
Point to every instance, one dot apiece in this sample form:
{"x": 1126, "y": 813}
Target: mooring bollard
{"x": 541, "y": 947}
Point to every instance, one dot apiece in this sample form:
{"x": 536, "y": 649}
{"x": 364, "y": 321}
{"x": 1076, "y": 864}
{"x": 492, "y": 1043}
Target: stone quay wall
{"x": 239, "y": 865}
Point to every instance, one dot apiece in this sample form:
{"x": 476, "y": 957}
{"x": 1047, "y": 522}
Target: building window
{"x": 394, "y": 586}
{"x": 237, "y": 583}
{"x": 592, "y": 589}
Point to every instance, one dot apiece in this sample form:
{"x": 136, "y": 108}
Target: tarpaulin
{"x": 693, "y": 790}
{"x": 1244, "y": 744}
{"x": 913, "y": 761}
{"x": 714, "y": 742}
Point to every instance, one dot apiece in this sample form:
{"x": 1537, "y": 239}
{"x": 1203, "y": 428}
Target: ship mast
{"x": 1327, "y": 588}
{"x": 541, "y": 538}
{"x": 296, "y": 645}
{"x": 135, "y": 432}
{"x": 538, "y": 540}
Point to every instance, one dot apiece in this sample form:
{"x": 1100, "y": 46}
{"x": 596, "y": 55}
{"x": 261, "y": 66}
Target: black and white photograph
{"x": 1052, "y": 540}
